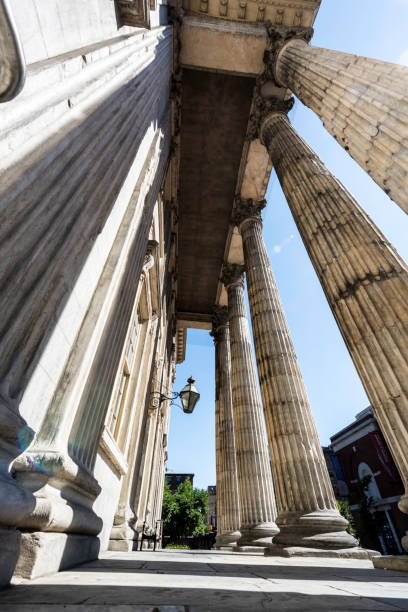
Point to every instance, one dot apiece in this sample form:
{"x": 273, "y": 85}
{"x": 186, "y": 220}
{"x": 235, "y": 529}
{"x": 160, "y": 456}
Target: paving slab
{"x": 189, "y": 581}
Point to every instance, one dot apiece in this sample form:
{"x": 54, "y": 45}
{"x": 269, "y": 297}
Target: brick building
{"x": 175, "y": 480}
{"x": 360, "y": 450}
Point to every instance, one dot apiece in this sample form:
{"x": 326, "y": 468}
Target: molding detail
{"x": 263, "y": 107}
{"x": 219, "y": 319}
{"x": 278, "y": 37}
{"x": 247, "y": 209}
{"x": 135, "y": 13}
{"x": 232, "y": 274}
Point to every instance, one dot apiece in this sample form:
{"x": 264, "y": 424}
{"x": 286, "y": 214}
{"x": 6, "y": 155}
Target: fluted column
{"x": 228, "y": 518}
{"x": 256, "y": 494}
{"x": 307, "y": 509}
{"x": 363, "y": 277}
{"x": 362, "y": 102}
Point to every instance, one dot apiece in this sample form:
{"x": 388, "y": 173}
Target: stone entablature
{"x": 279, "y": 12}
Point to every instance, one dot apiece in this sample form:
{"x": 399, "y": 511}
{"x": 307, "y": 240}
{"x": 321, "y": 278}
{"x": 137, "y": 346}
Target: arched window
{"x": 373, "y": 490}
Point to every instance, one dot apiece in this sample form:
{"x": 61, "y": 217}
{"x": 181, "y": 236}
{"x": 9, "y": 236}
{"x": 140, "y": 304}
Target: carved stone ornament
{"x": 263, "y": 107}
{"x": 223, "y": 9}
{"x": 278, "y": 36}
{"x": 219, "y": 319}
{"x": 247, "y": 209}
{"x": 134, "y": 13}
{"x": 232, "y": 274}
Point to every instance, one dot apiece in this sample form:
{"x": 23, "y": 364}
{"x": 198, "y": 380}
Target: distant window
{"x": 178, "y": 479}
{"x": 120, "y": 400}
{"x": 119, "y": 403}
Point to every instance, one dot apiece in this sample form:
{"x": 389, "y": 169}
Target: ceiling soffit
{"x": 214, "y": 117}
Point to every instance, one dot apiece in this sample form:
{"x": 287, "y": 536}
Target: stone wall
{"x": 84, "y": 160}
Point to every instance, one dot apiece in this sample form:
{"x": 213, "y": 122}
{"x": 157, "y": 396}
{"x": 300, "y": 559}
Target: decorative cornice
{"x": 247, "y": 209}
{"x": 232, "y": 274}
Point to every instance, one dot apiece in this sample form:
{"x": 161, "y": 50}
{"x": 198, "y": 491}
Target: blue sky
{"x": 371, "y": 28}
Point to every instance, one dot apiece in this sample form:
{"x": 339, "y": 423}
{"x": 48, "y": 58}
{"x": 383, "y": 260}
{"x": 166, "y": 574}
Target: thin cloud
{"x": 403, "y": 58}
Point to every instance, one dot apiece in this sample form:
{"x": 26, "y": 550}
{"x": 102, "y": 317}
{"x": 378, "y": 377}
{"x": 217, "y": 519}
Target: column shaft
{"x": 362, "y": 103}
{"x": 364, "y": 279}
{"x": 307, "y": 510}
{"x": 256, "y": 494}
{"x": 228, "y": 516}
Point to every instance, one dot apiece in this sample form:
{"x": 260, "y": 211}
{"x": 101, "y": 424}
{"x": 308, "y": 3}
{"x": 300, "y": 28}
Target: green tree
{"x": 344, "y": 509}
{"x": 184, "y": 511}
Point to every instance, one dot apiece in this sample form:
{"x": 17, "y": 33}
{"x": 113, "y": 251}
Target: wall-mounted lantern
{"x": 189, "y": 397}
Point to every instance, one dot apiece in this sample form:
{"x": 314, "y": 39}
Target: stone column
{"x": 361, "y": 101}
{"x": 307, "y": 509}
{"x": 363, "y": 277}
{"x": 255, "y": 486}
{"x": 228, "y": 518}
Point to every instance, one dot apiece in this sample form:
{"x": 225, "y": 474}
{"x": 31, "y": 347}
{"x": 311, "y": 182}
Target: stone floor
{"x": 185, "y": 581}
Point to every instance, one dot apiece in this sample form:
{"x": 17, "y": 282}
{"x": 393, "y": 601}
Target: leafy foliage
{"x": 184, "y": 511}
{"x": 344, "y": 509}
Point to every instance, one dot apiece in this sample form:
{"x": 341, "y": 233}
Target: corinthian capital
{"x": 219, "y": 322}
{"x": 278, "y": 37}
{"x": 262, "y": 108}
{"x": 247, "y": 209}
{"x": 232, "y": 274}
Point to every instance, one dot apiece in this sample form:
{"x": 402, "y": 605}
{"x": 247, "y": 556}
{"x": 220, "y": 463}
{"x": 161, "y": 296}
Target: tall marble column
{"x": 361, "y": 101}
{"x": 307, "y": 509}
{"x": 363, "y": 277}
{"x": 228, "y": 518}
{"x": 255, "y": 486}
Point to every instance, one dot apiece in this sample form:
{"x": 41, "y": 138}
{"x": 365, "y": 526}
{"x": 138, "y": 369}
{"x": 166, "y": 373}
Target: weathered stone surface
{"x": 46, "y": 553}
{"x": 210, "y": 580}
{"x": 307, "y": 510}
{"x": 228, "y": 515}
{"x": 363, "y": 277}
{"x": 362, "y": 103}
{"x": 9, "y": 551}
{"x": 391, "y": 562}
{"x": 256, "y": 495}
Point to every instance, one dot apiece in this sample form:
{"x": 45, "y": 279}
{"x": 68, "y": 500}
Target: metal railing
{"x": 12, "y": 62}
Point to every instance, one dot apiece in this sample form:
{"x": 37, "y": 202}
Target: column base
{"x": 322, "y": 529}
{"x": 302, "y": 551}
{"x": 123, "y": 545}
{"x": 250, "y": 549}
{"x": 46, "y": 553}
{"x": 9, "y": 552}
{"x": 123, "y": 537}
{"x": 227, "y": 540}
{"x": 257, "y": 536}
{"x": 397, "y": 563}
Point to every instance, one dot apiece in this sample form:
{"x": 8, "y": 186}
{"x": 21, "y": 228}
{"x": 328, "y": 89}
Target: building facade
{"x": 361, "y": 451}
{"x": 211, "y": 516}
{"x": 174, "y": 480}
{"x": 135, "y": 160}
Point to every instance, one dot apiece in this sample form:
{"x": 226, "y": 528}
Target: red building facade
{"x": 357, "y": 451}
